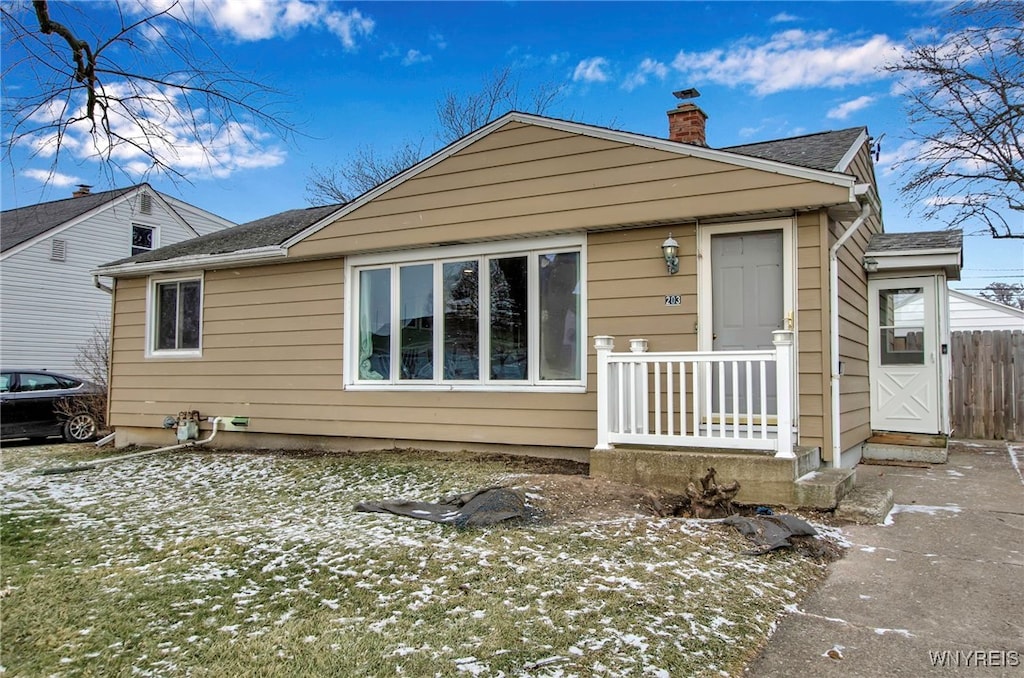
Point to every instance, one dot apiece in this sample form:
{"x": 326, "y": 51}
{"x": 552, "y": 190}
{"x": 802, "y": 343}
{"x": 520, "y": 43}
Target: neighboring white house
{"x": 50, "y": 304}
{"x": 969, "y": 313}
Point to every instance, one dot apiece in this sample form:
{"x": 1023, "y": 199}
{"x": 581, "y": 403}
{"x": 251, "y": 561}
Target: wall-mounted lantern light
{"x": 670, "y": 248}
{"x": 871, "y": 265}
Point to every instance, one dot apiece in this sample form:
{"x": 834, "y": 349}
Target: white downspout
{"x": 833, "y": 288}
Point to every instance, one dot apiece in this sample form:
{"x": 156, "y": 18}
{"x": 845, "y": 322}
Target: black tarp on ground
{"x": 473, "y": 509}
{"x": 770, "y": 532}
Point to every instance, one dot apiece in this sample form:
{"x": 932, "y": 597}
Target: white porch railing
{"x": 701, "y": 399}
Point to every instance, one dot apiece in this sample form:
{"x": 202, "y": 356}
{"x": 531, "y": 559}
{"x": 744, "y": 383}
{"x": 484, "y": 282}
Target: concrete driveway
{"x": 938, "y": 590}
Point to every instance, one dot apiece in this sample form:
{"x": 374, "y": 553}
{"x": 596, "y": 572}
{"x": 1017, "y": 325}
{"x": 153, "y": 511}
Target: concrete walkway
{"x": 938, "y": 590}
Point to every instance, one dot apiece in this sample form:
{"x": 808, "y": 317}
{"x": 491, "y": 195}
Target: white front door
{"x": 903, "y": 345}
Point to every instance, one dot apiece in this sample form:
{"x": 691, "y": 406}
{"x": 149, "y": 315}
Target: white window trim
{"x": 446, "y": 254}
{"x": 151, "y": 315}
{"x": 156, "y": 235}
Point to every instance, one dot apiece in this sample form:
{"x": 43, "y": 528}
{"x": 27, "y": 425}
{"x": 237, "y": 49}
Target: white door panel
{"x": 903, "y": 345}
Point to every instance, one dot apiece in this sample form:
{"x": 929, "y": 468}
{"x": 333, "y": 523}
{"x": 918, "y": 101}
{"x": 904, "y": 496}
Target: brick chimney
{"x": 83, "y": 189}
{"x": 686, "y": 123}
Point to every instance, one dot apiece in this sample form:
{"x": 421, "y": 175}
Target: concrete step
{"x": 866, "y": 505}
{"x": 889, "y": 452}
{"x": 824, "y": 488}
{"x": 764, "y": 479}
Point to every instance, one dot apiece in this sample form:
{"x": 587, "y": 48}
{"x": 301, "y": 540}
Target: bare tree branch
{"x": 1008, "y": 294}
{"x": 138, "y": 94}
{"x": 458, "y": 114}
{"x": 965, "y": 108}
{"x": 364, "y": 170}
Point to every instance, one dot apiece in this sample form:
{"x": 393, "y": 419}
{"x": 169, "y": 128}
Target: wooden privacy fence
{"x": 987, "y": 385}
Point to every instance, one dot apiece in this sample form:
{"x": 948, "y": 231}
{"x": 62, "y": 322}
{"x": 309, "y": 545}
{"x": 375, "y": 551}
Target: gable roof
{"x": 920, "y": 250}
{"x": 239, "y": 240}
{"x": 915, "y": 242}
{"x": 827, "y": 151}
{"x": 254, "y": 235}
{"x": 21, "y": 224}
{"x": 994, "y": 306}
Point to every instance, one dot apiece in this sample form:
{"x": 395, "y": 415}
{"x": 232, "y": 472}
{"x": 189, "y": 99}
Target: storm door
{"x": 903, "y": 327}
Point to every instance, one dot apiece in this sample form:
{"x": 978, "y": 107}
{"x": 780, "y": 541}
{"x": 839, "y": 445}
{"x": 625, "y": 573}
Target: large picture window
{"x": 175, "y": 316}
{"x": 484, "y": 318}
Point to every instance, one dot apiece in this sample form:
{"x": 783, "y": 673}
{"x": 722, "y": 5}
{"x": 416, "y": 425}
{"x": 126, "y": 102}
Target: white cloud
{"x": 414, "y": 56}
{"x": 647, "y": 67}
{"x": 591, "y": 70}
{"x": 790, "y": 60}
{"x": 348, "y": 26}
{"x": 843, "y": 111}
{"x": 438, "y": 40}
{"x": 247, "y": 21}
{"x": 51, "y": 178}
{"x": 189, "y": 141}
{"x": 252, "y": 20}
{"x": 783, "y": 17}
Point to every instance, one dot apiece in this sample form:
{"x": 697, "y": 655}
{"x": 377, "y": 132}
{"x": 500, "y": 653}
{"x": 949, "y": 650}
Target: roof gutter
{"x": 833, "y": 288}
{"x": 250, "y": 256}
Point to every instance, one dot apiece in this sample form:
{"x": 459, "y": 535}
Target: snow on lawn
{"x": 234, "y": 562}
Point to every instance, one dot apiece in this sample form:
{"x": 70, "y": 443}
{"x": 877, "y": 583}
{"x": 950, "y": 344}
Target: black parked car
{"x": 29, "y": 406}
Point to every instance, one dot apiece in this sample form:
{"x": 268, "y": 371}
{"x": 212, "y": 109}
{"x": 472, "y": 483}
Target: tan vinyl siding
{"x": 273, "y": 335}
{"x": 526, "y": 180}
{"x": 812, "y": 325}
{"x": 628, "y": 283}
{"x": 273, "y": 347}
{"x": 854, "y": 402}
{"x": 280, "y": 363}
{"x": 273, "y": 351}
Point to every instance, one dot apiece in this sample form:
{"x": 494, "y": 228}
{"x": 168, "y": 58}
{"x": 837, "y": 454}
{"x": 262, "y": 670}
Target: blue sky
{"x": 370, "y": 74}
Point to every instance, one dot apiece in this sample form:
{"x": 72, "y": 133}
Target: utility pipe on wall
{"x": 833, "y": 288}
{"x": 143, "y": 453}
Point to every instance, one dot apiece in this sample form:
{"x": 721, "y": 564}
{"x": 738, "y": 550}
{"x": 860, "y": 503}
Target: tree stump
{"x": 712, "y": 500}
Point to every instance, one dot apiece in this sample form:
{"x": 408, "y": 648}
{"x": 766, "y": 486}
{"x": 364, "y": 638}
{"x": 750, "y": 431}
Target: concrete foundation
{"x": 254, "y": 440}
{"x": 763, "y": 479}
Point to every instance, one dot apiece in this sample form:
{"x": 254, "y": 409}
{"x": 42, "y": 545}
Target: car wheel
{"x": 80, "y": 428}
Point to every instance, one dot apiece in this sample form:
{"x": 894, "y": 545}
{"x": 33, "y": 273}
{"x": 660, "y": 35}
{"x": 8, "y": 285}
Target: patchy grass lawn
{"x": 224, "y": 564}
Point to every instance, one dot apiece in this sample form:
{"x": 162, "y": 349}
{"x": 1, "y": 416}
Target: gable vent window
{"x": 146, "y": 203}
{"x": 142, "y": 238}
{"x": 58, "y": 249}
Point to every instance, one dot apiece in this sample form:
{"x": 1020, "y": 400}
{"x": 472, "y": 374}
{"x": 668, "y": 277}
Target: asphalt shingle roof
{"x": 923, "y": 240}
{"x": 821, "y": 151}
{"x": 24, "y": 223}
{"x": 265, "y": 232}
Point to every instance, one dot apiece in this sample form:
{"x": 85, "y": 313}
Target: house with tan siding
{"x": 486, "y": 297}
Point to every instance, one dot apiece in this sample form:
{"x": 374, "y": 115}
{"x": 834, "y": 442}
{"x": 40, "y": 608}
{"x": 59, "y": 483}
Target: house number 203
{"x": 673, "y": 299}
